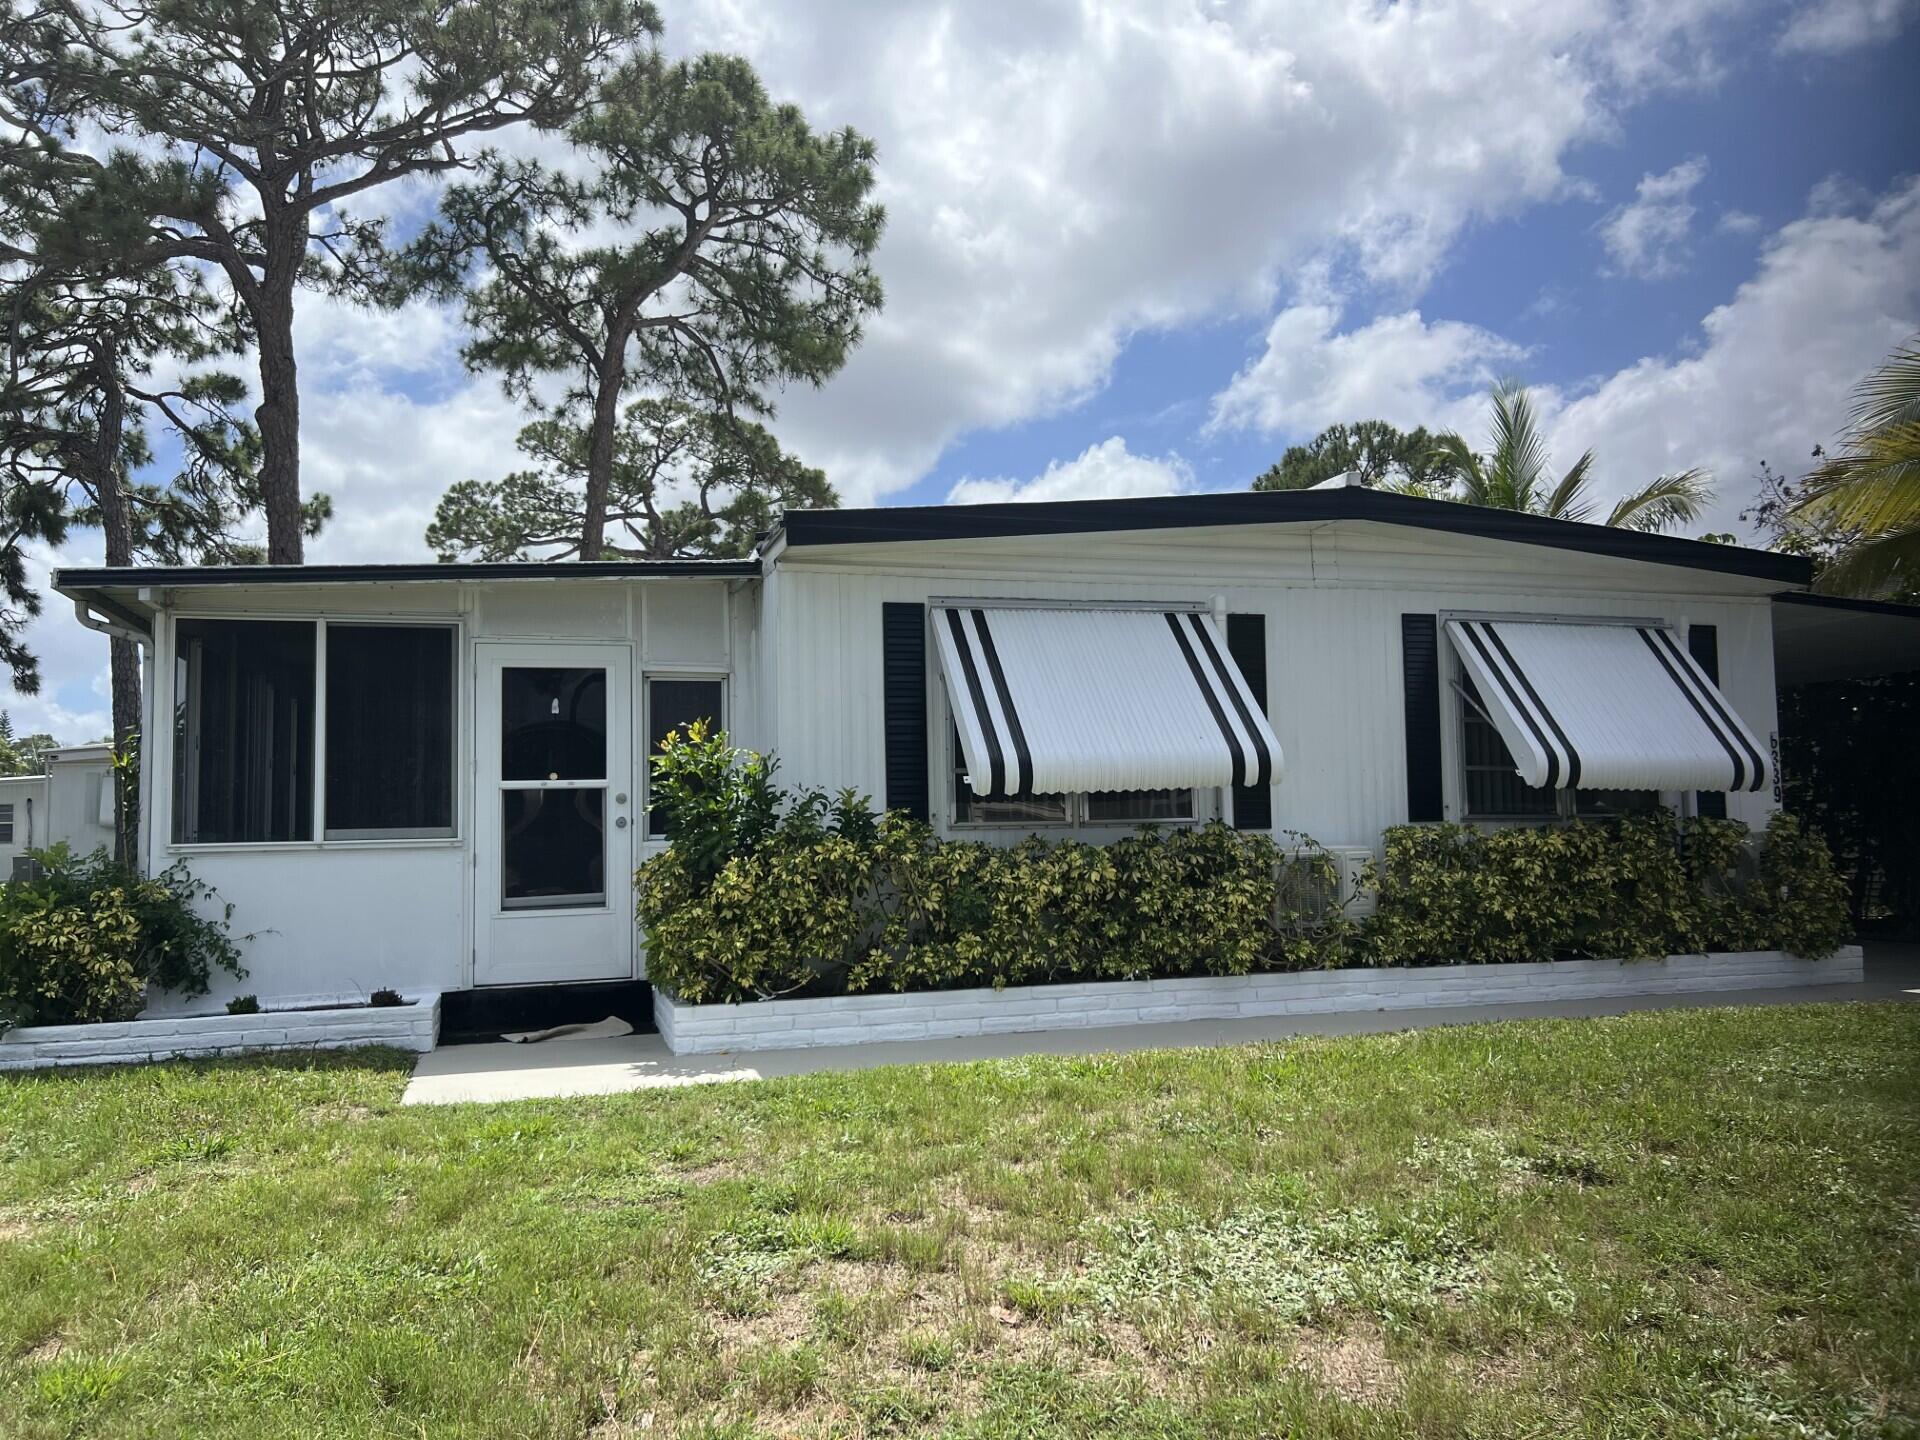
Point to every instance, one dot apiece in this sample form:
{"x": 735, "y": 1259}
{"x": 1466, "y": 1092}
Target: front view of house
{"x": 434, "y": 777}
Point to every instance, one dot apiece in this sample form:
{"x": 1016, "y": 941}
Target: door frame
{"x": 490, "y": 657}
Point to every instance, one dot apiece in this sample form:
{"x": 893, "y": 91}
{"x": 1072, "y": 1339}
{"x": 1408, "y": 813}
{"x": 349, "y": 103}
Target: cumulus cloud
{"x": 1773, "y": 368}
{"x": 1060, "y": 177}
{"x": 1767, "y": 378}
{"x": 1833, "y": 27}
{"x": 1107, "y": 470}
{"x": 1647, "y": 236}
{"x": 1402, "y": 367}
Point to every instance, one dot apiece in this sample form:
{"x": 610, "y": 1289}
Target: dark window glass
{"x": 390, "y": 719}
{"x": 243, "y": 731}
{"x": 1615, "y": 802}
{"x": 553, "y": 848}
{"x": 1494, "y": 789}
{"x": 553, "y": 724}
{"x": 1138, "y": 807}
{"x": 1022, "y": 809}
{"x": 674, "y": 705}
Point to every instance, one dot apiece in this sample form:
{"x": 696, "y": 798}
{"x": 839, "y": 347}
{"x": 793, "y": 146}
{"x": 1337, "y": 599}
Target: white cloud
{"x": 1399, "y": 367}
{"x": 1775, "y": 364}
{"x": 1060, "y": 176}
{"x": 1647, "y": 237}
{"x": 1739, "y": 222}
{"x": 1107, "y": 470}
{"x": 1767, "y": 379}
{"x": 1833, "y": 27}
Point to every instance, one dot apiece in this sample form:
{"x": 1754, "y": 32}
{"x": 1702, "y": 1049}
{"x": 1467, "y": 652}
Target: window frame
{"x": 643, "y": 743}
{"x": 166, "y": 701}
{"x": 449, "y": 831}
{"x": 1204, "y": 802}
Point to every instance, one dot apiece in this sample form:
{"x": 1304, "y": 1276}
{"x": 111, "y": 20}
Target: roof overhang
{"x": 1826, "y": 637}
{"x": 930, "y": 523}
{"x": 128, "y": 595}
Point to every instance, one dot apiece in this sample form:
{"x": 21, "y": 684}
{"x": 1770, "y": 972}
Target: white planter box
{"x": 414, "y": 1026}
{"x": 945, "y": 1014}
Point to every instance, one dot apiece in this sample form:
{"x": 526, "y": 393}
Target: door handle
{"x": 620, "y": 822}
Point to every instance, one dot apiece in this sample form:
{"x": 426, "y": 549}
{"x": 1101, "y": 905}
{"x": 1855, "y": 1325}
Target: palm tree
{"x": 1871, "y": 489}
{"x": 1513, "y": 474}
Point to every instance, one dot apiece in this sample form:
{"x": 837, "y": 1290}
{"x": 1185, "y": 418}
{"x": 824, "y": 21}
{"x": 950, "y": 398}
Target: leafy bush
{"x": 766, "y": 893}
{"x": 86, "y": 938}
{"x": 780, "y": 894}
{"x": 1632, "y": 887}
{"x": 244, "y": 1005}
{"x": 1804, "y": 895}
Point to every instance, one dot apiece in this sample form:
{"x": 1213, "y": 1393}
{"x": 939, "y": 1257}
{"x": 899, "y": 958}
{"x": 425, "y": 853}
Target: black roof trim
{"x": 185, "y": 575}
{"x": 1271, "y": 507}
{"x": 1847, "y": 602}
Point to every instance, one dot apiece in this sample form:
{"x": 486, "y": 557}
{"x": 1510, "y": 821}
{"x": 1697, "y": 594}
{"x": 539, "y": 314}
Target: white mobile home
{"x": 72, "y": 804}
{"x": 434, "y": 777}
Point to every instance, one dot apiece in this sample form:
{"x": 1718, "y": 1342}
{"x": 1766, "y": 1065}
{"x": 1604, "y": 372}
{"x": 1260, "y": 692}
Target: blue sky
{"x": 1770, "y": 131}
{"x": 1140, "y": 248}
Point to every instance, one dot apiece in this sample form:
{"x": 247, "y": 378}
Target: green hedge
{"x": 1633, "y": 887}
{"x": 86, "y": 939}
{"x": 766, "y": 893}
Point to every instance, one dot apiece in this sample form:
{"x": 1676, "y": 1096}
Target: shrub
{"x": 766, "y": 894}
{"x": 86, "y": 939}
{"x": 385, "y": 998}
{"x": 244, "y": 1005}
{"x": 1805, "y": 897}
{"x": 1632, "y": 887}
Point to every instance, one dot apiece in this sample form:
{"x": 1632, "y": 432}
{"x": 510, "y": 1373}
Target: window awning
{"x": 1606, "y": 707}
{"x": 1069, "y": 701}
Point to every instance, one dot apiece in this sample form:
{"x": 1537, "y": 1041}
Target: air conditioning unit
{"x": 1316, "y": 885}
{"x": 26, "y": 868}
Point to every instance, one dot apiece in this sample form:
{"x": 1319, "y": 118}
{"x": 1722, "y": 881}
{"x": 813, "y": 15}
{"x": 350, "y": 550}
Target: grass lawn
{"x": 1684, "y": 1223}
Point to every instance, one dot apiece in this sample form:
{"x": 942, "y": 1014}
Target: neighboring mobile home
{"x": 434, "y": 776}
{"x": 72, "y": 804}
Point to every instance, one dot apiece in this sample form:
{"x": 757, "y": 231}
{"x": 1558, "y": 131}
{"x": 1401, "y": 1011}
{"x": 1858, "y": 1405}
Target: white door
{"x": 554, "y": 842}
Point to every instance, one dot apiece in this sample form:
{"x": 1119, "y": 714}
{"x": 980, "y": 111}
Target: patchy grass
{"x": 1692, "y": 1223}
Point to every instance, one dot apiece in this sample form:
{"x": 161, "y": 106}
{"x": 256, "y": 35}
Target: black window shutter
{"x": 1420, "y": 665}
{"x": 1247, "y": 644}
{"x": 903, "y": 630}
{"x": 1703, "y": 643}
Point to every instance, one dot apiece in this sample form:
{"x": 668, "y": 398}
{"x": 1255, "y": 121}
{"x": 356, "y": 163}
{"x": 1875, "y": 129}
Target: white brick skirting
{"x": 943, "y": 1014}
{"x": 415, "y": 1026}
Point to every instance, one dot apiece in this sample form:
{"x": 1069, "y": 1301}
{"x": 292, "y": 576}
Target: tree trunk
{"x": 123, "y": 656}
{"x": 278, "y": 414}
{"x": 124, "y": 660}
{"x": 606, "y": 422}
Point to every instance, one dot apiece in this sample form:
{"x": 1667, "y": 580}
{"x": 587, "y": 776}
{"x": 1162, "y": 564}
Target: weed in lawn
{"x": 74, "y": 1386}
{"x": 925, "y": 1351}
{"x": 1292, "y": 1267}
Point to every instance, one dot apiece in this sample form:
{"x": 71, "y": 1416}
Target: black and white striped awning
{"x": 1606, "y": 707}
{"x": 1070, "y": 701}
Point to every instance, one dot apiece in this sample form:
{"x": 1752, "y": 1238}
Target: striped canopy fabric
{"x": 1606, "y": 707}
{"x": 1072, "y": 701}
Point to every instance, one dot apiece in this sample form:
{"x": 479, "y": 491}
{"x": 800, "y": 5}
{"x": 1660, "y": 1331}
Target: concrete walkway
{"x": 643, "y": 1062}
